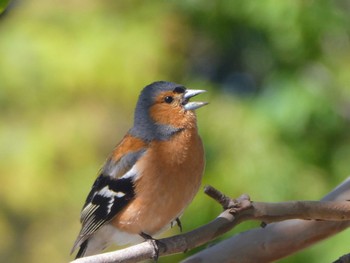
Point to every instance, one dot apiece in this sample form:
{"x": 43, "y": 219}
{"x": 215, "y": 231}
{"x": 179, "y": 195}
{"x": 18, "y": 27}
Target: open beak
{"x": 189, "y": 93}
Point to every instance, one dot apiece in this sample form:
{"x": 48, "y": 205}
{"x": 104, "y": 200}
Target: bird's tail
{"x": 90, "y": 246}
{"x": 82, "y": 249}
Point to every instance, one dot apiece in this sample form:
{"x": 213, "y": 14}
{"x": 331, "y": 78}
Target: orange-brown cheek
{"x": 167, "y": 114}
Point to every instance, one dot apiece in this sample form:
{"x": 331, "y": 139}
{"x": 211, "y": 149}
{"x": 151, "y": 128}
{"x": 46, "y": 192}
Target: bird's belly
{"x": 155, "y": 216}
{"x": 167, "y": 185}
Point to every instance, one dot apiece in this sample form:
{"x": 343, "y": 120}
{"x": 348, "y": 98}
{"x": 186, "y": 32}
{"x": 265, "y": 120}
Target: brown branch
{"x": 275, "y": 212}
{"x": 239, "y": 210}
{"x": 281, "y": 239}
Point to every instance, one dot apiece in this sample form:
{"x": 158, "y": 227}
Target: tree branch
{"x": 269, "y": 243}
{"x": 281, "y": 239}
{"x": 275, "y": 212}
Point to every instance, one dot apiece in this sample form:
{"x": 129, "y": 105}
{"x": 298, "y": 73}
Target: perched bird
{"x": 151, "y": 176}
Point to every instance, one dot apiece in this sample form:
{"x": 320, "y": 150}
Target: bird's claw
{"x": 156, "y": 244}
{"x": 178, "y": 222}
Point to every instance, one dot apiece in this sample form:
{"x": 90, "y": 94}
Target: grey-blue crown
{"x": 152, "y": 90}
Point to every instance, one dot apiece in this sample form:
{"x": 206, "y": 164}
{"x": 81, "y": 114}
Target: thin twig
{"x": 236, "y": 205}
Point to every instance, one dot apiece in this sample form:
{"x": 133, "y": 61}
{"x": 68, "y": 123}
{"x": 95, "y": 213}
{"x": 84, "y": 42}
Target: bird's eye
{"x": 168, "y": 99}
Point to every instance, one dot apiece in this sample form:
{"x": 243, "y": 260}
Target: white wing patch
{"x": 111, "y": 195}
{"x": 119, "y": 194}
{"x": 106, "y": 192}
{"x": 132, "y": 173}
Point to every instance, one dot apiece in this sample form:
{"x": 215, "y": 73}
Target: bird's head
{"x": 163, "y": 109}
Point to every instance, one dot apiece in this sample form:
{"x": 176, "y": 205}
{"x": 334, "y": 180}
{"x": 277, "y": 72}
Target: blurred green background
{"x": 277, "y": 126}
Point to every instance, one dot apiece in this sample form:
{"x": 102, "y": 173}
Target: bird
{"x": 150, "y": 177}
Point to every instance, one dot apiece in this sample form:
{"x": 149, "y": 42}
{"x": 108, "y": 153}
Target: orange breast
{"x": 171, "y": 174}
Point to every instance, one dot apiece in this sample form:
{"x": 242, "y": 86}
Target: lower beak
{"x": 189, "y": 93}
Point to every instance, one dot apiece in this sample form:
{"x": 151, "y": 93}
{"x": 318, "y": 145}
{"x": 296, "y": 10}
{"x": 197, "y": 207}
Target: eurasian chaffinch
{"x": 151, "y": 176}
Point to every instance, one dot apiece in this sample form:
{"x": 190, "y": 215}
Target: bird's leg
{"x": 155, "y": 243}
{"x": 179, "y": 223}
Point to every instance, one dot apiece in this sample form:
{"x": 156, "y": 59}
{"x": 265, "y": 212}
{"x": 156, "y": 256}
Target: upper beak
{"x": 189, "y": 93}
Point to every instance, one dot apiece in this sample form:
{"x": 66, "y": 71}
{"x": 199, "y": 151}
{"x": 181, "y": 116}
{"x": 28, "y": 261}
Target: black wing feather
{"x": 106, "y": 198}
{"x": 82, "y": 249}
{"x": 111, "y": 192}
{"x": 96, "y": 198}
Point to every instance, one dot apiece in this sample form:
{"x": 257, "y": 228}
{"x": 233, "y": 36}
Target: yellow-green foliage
{"x": 3, "y": 5}
{"x": 71, "y": 71}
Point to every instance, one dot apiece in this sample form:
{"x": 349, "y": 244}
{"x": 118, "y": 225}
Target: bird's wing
{"x": 111, "y": 192}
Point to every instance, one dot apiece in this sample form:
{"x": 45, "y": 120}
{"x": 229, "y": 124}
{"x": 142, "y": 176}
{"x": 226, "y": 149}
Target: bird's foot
{"x": 178, "y": 222}
{"x": 156, "y": 244}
